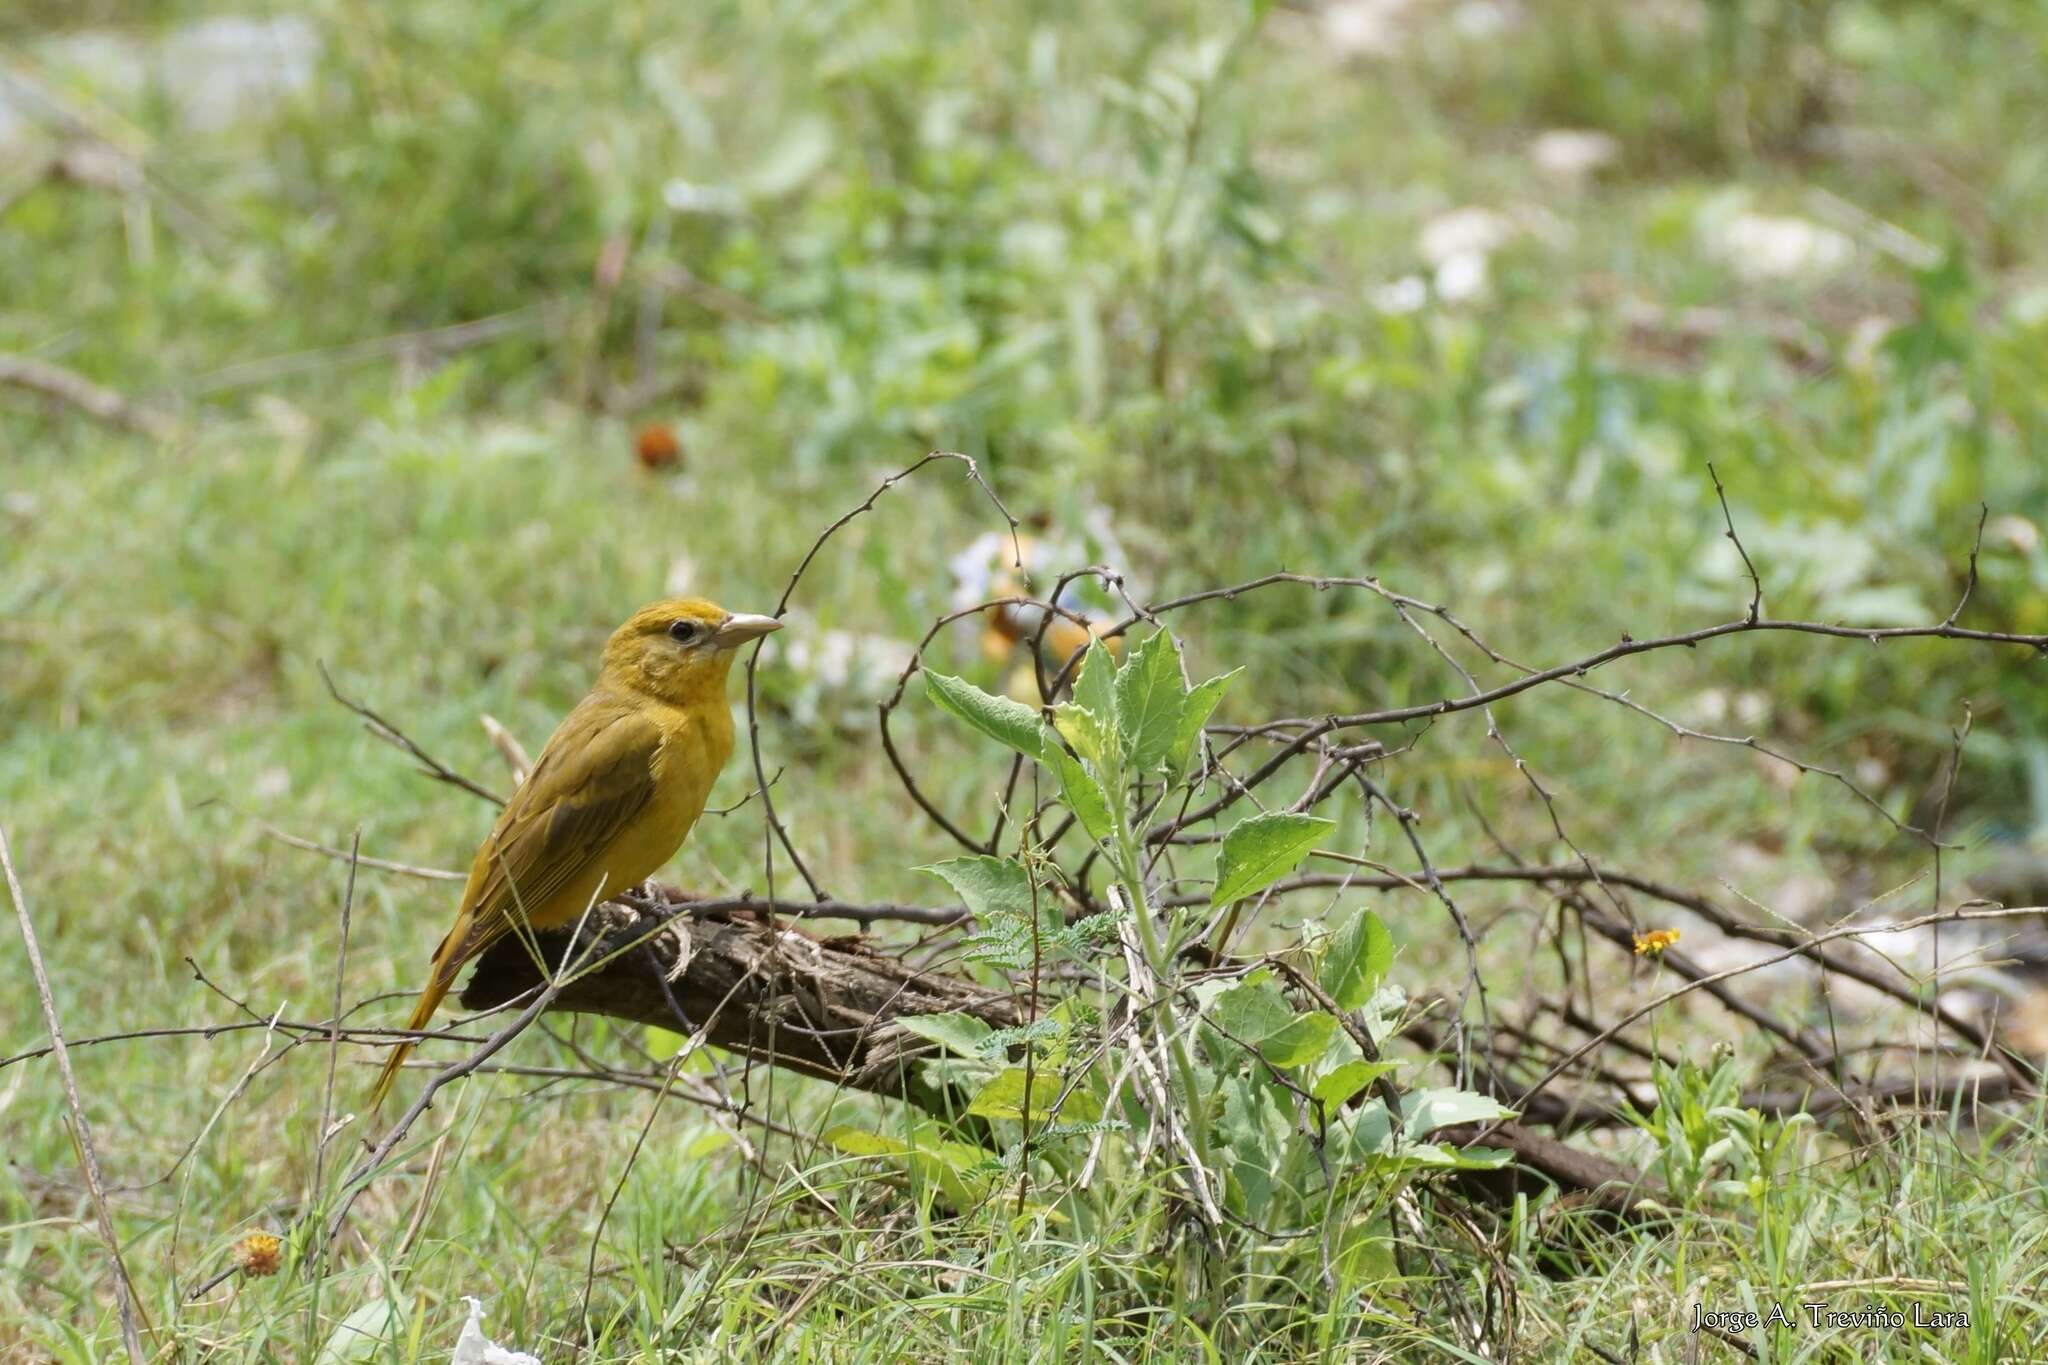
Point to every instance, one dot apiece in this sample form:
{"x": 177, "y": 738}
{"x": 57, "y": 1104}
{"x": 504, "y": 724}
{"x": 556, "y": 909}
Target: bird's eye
{"x": 684, "y": 631}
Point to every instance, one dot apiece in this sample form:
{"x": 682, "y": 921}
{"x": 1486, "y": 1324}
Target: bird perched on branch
{"x": 612, "y": 795}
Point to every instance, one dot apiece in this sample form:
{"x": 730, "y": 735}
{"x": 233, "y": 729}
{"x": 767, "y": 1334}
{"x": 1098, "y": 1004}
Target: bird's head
{"x": 679, "y": 651}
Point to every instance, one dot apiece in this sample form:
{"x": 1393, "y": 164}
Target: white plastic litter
{"x": 474, "y": 1348}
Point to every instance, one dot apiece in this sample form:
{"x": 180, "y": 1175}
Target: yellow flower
{"x": 259, "y": 1254}
{"x": 1655, "y": 942}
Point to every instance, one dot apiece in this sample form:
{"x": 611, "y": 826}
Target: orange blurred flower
{"x": 657, "y": 446}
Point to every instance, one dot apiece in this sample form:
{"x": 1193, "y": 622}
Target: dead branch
{"x": 81, "y": 1130}
{"x": 828, "y": 1008}
{"x": 76, "y": 391}
{"x": 825, "y": 1007}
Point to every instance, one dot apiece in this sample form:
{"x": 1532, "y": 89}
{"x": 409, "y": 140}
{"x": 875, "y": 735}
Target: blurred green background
{"x": 1465, "y": 295}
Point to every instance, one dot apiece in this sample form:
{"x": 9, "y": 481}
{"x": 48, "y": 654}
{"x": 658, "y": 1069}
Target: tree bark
{"x": 826, "y": 1007}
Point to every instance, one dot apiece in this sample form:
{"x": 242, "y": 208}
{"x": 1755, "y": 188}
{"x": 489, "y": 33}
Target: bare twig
{"x": 761, "y": 782}
{"x": 81, "y": 1130}
{"x": 432, "y": 342}
{"x": 75, "y": 390}
{"x": 348, "y": 901}
{"x": 509, "y": 748}
{"x": 398, "y": 739}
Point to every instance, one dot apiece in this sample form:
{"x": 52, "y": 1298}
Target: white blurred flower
{"x": 2014, "y": 532}
{"x": 1752, "y": 709}
{"x": 1869, "y": 333}
{"x": 1405, "y": 295}
{"x": 1461, "y": 277}
{"x": 685, "y": 196}
{"x": 1464, "y": 232}
{"x": 842, "y": 658}
{"x": 1573, "y": 154}
{"x": 1481, "y": 19}
{"x": 1458, "y": 246}
{"x": 1764, "y": 247}
{"x": 1364, "y": 28}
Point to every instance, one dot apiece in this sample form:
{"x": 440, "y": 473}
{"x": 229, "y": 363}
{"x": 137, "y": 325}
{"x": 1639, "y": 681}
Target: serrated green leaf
{"x": 962, "y": 1034}
{"x": 1008, "y": 722}
{"x": 1095, "y": 682}
{"x": 1263, "y": 849}
{"x": 1082, "y": 793}
{"x": 1006, "y": 1097}
{"x": 1093, "y": 736}
{"x": 1349, "y": 1079}
{"x": 1357, "y": 960}
{"x": 1194, "y": 714}
{"x": 993, "y": 888}
{"x": 1149, "y": 700}
{"x": 1251, "y": 1012}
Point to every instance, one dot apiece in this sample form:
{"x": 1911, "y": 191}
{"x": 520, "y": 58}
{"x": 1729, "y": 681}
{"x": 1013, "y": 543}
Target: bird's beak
{"x": 740, "y": 627}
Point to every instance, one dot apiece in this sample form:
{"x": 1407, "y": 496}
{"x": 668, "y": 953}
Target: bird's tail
{"x": 430, "y": 1000}
{"x": 448, "y": 959}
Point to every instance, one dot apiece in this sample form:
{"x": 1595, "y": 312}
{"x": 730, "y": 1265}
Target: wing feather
{"x": 595, "y": 775}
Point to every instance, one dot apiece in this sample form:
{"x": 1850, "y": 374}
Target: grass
{"x": 1129, "y": 258}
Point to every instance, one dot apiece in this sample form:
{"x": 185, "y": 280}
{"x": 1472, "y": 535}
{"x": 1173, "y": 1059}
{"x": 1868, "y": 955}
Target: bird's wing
{"x": 595, "y": 775}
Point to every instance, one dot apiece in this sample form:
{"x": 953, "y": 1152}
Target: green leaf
{"x": 1006, "y": 1097}
{"x": 1095, "y": 684}
{"x": 1425, "y": 1111}
{"x": 1349, "y": 1079}
{"x": 1440, "y": 1156}
{"x": 955, "y": 1167}
{"x": 1257, "y": 1016}
{"x": 1252, "y": 1012}
{"x": 1082, "y": 793}
{"x": 364, "y": 1335}
{"x": 1009, "y": 722}
{"x": 1301, "y": 1041}
{"x": 860, "y": 1142}
{"x": 1093, "y": 736}
{"x": 1149, "y": 700}
{"x": 1194, "y": 714}
{"x": 1263, "y": 849}
{"x": 1357, "y": 960}
{"x": 958, "y": 1033}
{"x": 993, "y": 888}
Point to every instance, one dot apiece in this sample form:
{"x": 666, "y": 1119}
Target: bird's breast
{"x": 694, "y": 748}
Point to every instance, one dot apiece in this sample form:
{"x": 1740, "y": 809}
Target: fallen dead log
{"x": 827, "y": 1007}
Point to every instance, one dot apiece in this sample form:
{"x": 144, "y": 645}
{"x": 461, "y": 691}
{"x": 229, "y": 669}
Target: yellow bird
{"x": 612, "y": 795}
